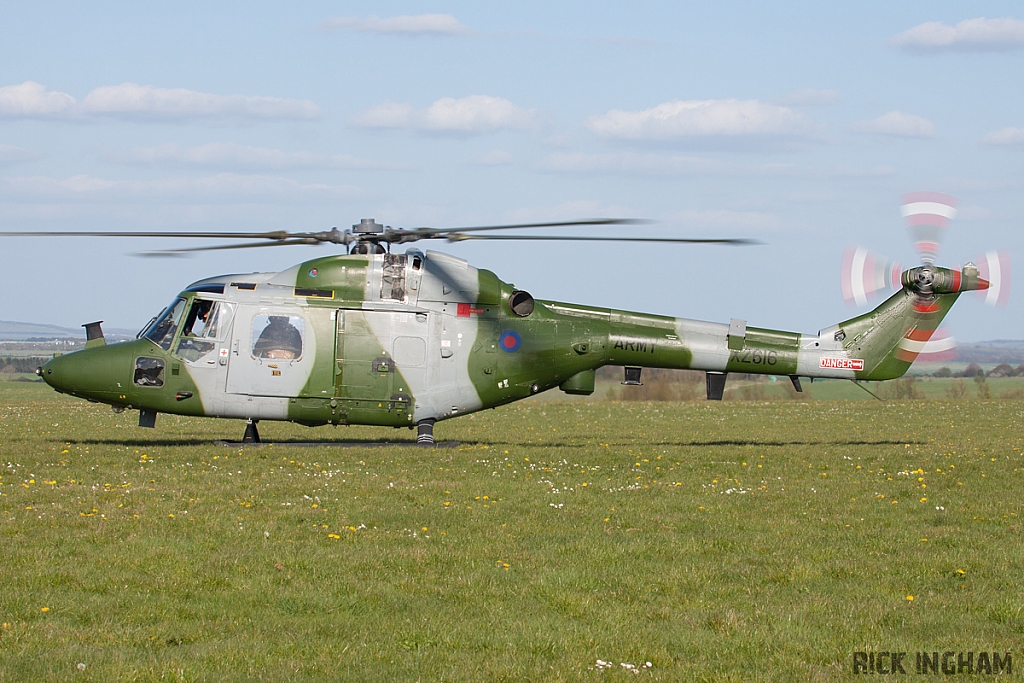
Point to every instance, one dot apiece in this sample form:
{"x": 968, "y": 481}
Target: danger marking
{"x": 841, "y": 363}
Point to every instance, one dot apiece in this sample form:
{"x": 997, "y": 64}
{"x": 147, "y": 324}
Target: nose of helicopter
{"x": 97, "y": 373}
{"x": 55, "y": 372}
{"x": 50, "y": 372}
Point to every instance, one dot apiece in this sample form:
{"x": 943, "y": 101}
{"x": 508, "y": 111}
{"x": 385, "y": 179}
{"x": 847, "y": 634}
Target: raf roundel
{"x": 509, "y": 341}
{"x": 313, "y": 272}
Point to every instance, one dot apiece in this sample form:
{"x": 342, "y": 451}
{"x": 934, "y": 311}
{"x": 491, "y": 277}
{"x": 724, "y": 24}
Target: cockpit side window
{"x": 198, "y": 318}
{"x": 161, "y": 332}
{"x": 204, "y": 323}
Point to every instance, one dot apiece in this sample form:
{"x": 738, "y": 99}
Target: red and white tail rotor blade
{"x": 927, "y": 346}
{"x": 994, "y": 267}
{"x": 928, "y": 215}
{"x": 922, "y": 336}
{"x": 865, "y": 273}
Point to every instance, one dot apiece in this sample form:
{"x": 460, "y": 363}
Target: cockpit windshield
{"x": 161, "y": 331}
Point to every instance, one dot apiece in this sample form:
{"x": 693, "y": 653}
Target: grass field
{"x": 742, "y": 540}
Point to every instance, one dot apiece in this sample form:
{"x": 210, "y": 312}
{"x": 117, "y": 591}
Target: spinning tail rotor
{"x": 928, "y": 215}
{"x": 994, "y": 267}
{"x": 865, "y": 275}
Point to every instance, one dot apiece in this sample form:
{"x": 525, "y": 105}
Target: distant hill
{"x": 998, "y": 351}
{"x": 17, "y": 331}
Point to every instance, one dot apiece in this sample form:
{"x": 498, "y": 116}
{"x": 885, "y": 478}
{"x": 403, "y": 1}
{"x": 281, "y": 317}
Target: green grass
{"x": 718, "y": 541}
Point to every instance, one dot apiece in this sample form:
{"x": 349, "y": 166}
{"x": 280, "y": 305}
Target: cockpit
{"x": 162, "y": 329}
{"x": 201, "y": 323}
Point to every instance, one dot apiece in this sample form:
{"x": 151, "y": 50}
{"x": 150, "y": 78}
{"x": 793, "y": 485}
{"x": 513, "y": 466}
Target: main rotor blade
{"x": 189, "y": 250}
{"x": 273, "y": 235}
{"x": 519, "y": 226}
{"x": 458, "y": 237}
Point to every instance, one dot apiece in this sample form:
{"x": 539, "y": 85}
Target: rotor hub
{"x": 368, "y": 226}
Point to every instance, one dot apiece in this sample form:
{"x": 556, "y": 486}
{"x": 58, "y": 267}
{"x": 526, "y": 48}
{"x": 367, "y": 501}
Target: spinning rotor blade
{"x": 430, "y": 233}
{"x": 921, "y": 331}
{"x": 919, "y": 346}
{"x": 994, "y": 266}
{"x": 928, "y": 215}
{"x": 458, "y": 237}
{"x": 370, "y": 231}
{"x": 242, "y": 245}
{"x": 274, "y": 235}
{"x": 865, "y": 273}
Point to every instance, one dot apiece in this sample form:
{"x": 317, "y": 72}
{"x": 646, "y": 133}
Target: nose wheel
{"x": 252, "y": 435}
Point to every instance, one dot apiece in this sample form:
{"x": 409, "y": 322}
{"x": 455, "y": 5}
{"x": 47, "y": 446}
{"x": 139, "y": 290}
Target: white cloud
{"x": 33, "y": 100}
{"x": 1005, "y": 136}
{"x": 220, "y": 187}
{"x": 407, "y": 25}
{"x": 473, "y": 114}
{"x": 130, "y": 100}
{"x": 228, "y": 155}
{"x": 654, "y": 165}
{"x": 9, "y": 154}
{"x": 662, "y": 165}
{"x": 701, "y": 118}
{"x": 809, "y": 97}
{"x": 971, "y": 35}
{"x": 631, "y": 163}
{"x": 896, "y": 124}
{"x": 146, "y": 102}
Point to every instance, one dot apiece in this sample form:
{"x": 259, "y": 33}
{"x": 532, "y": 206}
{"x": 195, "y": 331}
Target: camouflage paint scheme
{"x": 394, "y": 339}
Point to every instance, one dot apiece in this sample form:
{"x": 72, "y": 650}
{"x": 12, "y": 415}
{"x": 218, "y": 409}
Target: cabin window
{"x": 149, "y": 372}
{"x": 277, "y": 337}
{"x": 161, "y": 332}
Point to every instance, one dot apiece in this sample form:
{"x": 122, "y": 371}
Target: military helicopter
{"x": 407, "y": 339}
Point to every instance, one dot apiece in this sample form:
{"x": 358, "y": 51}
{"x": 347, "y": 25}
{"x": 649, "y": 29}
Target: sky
{"x": 799, "y": 125}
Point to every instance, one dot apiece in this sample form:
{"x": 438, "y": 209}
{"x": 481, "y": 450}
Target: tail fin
{"x": 889, "y": 338}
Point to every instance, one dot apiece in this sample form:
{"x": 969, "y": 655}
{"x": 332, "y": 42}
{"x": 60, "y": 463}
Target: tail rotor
{"x": 928, "y": 215}
{"x": 865, "y": 274}
{"x": 994, "y": 267}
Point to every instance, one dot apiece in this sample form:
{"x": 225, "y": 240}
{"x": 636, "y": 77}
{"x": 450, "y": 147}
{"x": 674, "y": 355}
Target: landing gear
{"x": 425, "y": 432}
{"x": 716, "y": 385}
{"x": 252, "y": 435}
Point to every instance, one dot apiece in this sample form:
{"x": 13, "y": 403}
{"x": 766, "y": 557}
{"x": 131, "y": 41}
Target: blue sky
{"x": 800, "y": 126}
